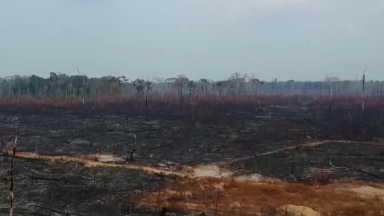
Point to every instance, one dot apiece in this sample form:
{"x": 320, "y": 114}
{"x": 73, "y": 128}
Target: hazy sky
{"x": 286, "y": 39}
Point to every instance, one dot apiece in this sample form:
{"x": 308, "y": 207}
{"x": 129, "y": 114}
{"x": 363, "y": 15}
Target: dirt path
{"x": 89, "y": 161}
{"x": 307, "y": 145}
{"x": 253, "y": 192}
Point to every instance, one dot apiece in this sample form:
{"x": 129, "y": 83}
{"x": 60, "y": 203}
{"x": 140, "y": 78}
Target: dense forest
{"x": 59, "y": 86}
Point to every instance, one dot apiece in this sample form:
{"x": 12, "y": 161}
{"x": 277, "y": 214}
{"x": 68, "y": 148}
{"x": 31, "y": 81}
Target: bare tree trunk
{"x": 250, "y": 89}
{"x": 146, "y": 105}
{"x": 363, "y": 101}
{"x": 237, "y": 91}
{"x": 59, "y": 89}
{"x": 130, "y": 158}
{"x": 162, "y": 92}
{"x": 305, "y": 90}
{"x": 329, "y": 102}
{"x": 181, "y": 97}
{"x": 19, "y": 89}
{"x": 257, "y": 90}
{"x": 290, "y": 95}
{"x": 11, "y": 194}
{"x": 300, "y": 96}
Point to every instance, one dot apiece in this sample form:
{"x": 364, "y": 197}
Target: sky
{"x": 283, "y": 39}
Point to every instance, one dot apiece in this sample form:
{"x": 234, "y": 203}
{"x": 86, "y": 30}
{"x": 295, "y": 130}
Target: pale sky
{"x": 283, "y": 39}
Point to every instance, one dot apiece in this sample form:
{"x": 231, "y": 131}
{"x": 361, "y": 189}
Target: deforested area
{"x": 245, "y": 147}
{"x": 191, "y": 108}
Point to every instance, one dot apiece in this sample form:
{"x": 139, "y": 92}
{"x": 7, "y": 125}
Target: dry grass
{"x": 366, "y": 209}
{"x": 318, "y": 178}
{"x": 247, "y": 198}
{"x": 235, "y": 197}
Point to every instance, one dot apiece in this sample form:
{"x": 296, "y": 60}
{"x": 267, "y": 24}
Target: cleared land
{"x": 257, "y": 161}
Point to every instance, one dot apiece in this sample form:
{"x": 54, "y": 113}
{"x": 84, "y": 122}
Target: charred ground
{"x": 243, "y": 138}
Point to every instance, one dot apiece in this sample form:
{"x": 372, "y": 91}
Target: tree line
{"x": 60, "y": 86}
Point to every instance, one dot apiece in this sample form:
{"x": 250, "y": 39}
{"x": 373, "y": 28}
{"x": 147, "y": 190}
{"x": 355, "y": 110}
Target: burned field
{"x": 82, "y": 161}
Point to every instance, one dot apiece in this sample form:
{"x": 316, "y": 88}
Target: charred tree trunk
{"x": 329, "y": 103}
{"x": 181, "y": 97}
{"x": 363, "y": 101}
{"x": 130, "y": 158}
{"x": 321, "y": 95}
{"x": 11, "y": 194}
{"x": 329, "y": 110}
{"x": 146, "y": 105}
{"x": 381, "y": 91}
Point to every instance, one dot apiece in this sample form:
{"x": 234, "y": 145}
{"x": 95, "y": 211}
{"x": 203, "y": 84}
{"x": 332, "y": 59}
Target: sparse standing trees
{"x": 180, "y": 81}
{"x": 328, "y": 79}
{"x": 10, "y": 81}
{"x": 27, "y": 80}
{"x": 236, "y": 79}
{"x": 120, "y": 81}
{"x": 170, "y": 81}
{"x": 204, "y": 82}
{"x": 148, "y": 86}
{"x": 329, "y": 99}
{"x": 161, "y": 82}
{"x": 221, "y": 85}
{"x": 18, "y": 80}
{"x": 83, "y": 84}
{"x": 381, "y": 93}
{"x": 254, "y": 82}
{"x": 363, "y": 99}
{"x": 275, "y": 85}
{"x": 191, "y": 85}
{"x": 60, "y": 76}
{"x": 247, "y": 80}
{"x": 53, "y": 78}
{"x": 290, "y": 92}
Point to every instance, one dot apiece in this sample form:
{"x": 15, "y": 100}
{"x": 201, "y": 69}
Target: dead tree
{"x": 140, "y": 85}
{"x": 330, "y": 79}
{"x": 83, "y": 85}
{"x": 148, "y": 85}
{"x": 2, "y": 145}
{"x": 180, "y": 81}
{"x": 329, "y": 101}
{"x": 236, "y": 79}
{"x": 363, "y": 99}
{"x": 130, "y": 158}
{"x": 11, "y": 194}
{"x": 205, "y": 82}
{"x": 381, "y": 98}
